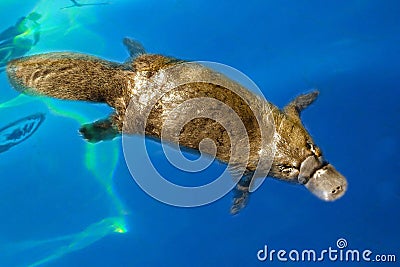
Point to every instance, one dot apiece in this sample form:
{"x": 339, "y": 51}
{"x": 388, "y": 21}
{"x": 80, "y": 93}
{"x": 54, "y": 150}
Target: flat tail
{"x": 70, "y": 76}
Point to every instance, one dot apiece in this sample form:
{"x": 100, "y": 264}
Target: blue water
{"x": 66, "y": 203}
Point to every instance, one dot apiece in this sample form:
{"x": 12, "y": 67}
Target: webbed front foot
{"x": 99, "y": 131}
{"x": 241, "y": 194}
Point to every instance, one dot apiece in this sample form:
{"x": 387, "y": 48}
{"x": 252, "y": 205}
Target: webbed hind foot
{"x": 99, "y": 131}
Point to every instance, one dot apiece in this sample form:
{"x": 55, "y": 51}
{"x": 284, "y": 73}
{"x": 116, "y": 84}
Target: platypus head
{"x": 299, "y": 160}
{"x": 321, "y": 178}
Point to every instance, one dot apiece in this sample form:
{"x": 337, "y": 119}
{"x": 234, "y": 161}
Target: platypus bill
{"x": 75, "y": 76}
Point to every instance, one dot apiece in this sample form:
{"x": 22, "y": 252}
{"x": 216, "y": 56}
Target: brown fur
{"x": 80, "y": 77}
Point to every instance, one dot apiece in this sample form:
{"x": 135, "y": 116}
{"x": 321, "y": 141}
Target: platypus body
{"x": 131, "y": 87}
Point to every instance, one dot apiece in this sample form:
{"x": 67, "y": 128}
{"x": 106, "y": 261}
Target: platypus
{"x": 130, "y": 88}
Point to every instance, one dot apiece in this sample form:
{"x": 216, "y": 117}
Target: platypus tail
{"x": 70, "y": 76}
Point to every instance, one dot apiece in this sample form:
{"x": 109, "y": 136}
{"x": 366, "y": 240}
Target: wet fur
{"x": 81, "y": 77}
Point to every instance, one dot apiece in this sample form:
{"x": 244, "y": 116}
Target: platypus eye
{"x": 289, "y": 171}
{"x": 311, "y": 147}
{"x": 285, "y": 168}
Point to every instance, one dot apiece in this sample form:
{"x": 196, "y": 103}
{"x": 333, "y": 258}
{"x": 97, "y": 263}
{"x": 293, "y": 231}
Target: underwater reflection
{"x": 16, "y": 40}
{"x": 76, "y": 4}
{"x": 19, "y": 131}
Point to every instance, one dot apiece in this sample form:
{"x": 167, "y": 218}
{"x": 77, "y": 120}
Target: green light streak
{"x": 57, "y": 23}
{"x": 104, "y": 154}
{"x": 64, "y": 111}
{"x": 99, "y": 159}
{"x": 17, "y": 101}
{"x": 97, "y": 156}
{"x": 69, "y": 243}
